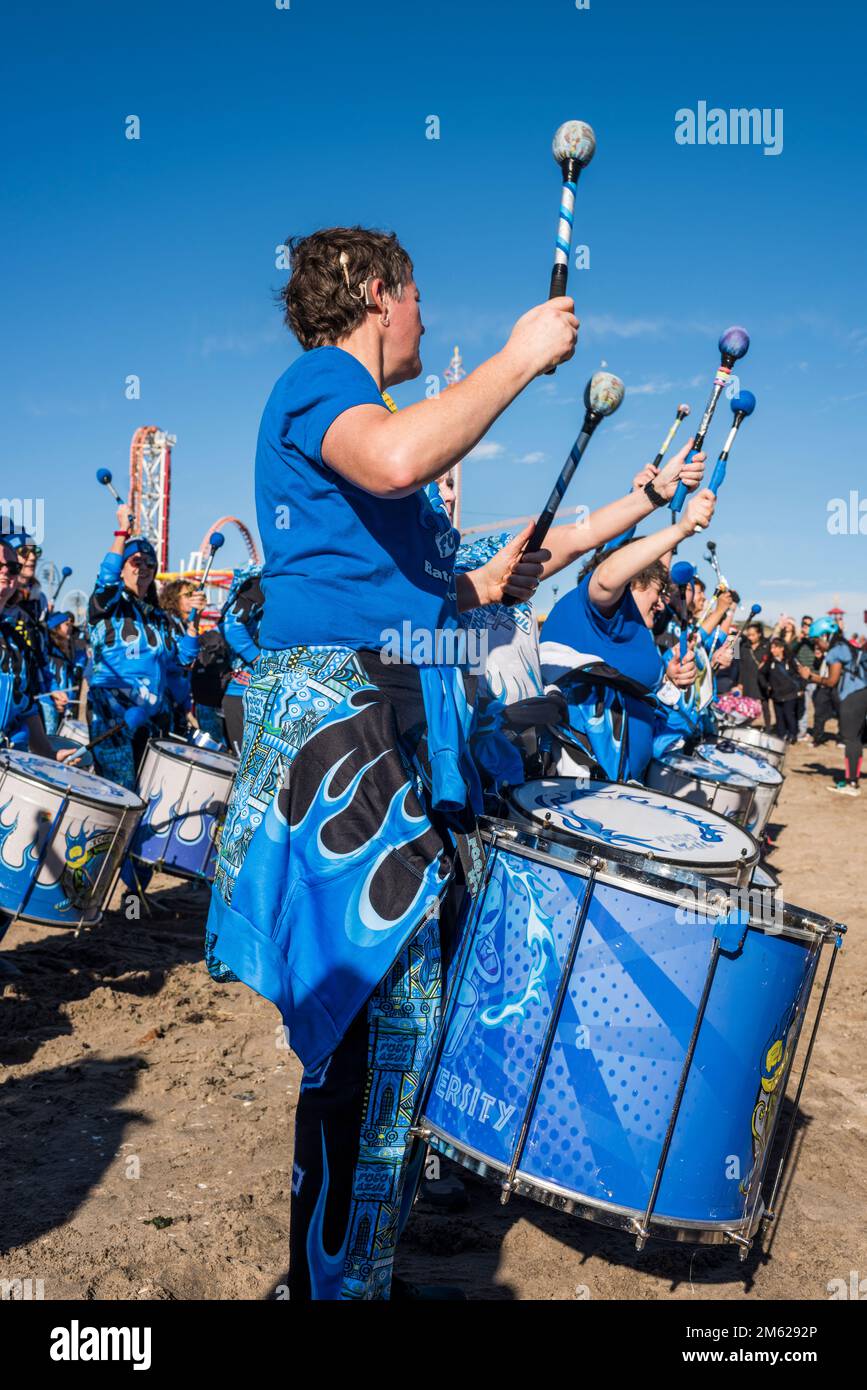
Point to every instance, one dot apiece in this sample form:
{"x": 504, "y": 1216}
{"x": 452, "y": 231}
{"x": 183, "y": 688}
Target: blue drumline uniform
{"x": 138, "y": 671}
{"x": 331, "y": 883}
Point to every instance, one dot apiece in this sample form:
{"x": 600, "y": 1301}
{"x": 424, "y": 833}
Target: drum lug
{"x": 506, "y": 1190}
{"x": 642, "y": 1235}
{"x": 421, "y": 1132}
{"x": 744, "y": 1245}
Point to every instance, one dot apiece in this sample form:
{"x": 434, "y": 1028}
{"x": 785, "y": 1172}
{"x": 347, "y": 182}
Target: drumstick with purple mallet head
{"x": 215, "y": 541}
{"x": 103, "y": 475}
{"x": 64, "y": 575}
{"x": 573, "y": 147}
{"x": 734, "y": 343}
{"x": 603, "y": 395}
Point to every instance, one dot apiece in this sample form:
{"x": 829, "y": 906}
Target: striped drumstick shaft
{"x": 565, "y": 227}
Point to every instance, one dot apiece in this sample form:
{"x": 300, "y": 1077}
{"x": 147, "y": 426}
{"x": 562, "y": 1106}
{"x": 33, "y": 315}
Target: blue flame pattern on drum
{"x": 65, "y": 883}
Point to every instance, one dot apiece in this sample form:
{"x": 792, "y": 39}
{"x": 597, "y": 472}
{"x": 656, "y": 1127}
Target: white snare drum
{"x": 74, "y": 729}
{"x": 747, "y": 763}
{"x": 695, "y": 780}
{"x": 771, "y": 748}
{"x": 661, "y": 832}
{"x": 186, "y": 791}
{"x": 63, "y": 834}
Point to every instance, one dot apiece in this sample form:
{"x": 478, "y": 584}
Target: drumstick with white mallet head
{"x": 734, "y": 343}
{"x": 215, "y": 541}
{"x": 573, "y": 147}
{"x": 103, "y": 475}
{"x": 603, "y": 395}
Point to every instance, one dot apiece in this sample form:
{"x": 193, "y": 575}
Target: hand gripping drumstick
{"x": 683, "y": 573}
{"x": 64, "y": 575}
{"x": 742, "y": 405}
{"x": 215, "y": 540}
{"x": 734, "y": 343}
{"x": 103, "y": 475}
{"x": 573, "y": 146}
{"x": 602, "y": 396}
{"x": 682, "y": 412}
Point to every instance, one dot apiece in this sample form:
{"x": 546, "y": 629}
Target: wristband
{"x": 653, "y": 495}
{"x": 125, "y": 534}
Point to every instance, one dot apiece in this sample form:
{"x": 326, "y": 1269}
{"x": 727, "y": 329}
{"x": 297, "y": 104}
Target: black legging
{"x": 826, "y": 705}
{"x": 787, "y": 718}
{"x": 233, "y": 717}
{"x": 853, "y": 711}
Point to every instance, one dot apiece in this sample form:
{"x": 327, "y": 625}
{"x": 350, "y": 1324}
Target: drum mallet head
{"x": 734, "y": 342}
{"x": 66, "y": 571}
{"x": 743, "y": 404}
{"x": 574, "y": 140}
{"x": 216, "y": 539}
{"x": 682, "y": 573}
{"x": 683, "y": 411}
{"x": 603, "y": 394}
{"x": 103, "y": 475}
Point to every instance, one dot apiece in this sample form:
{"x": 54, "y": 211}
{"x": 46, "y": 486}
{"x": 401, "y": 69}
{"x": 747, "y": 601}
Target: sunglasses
{"x": 140, "y": 562}
{"x": 30, "y": 552}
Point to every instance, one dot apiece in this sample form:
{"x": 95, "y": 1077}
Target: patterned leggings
{"x": 356, "y": 1169}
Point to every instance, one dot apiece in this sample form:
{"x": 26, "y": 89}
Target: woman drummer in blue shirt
{"x": 355, "y": 790}
{"x": 140, "y": 665}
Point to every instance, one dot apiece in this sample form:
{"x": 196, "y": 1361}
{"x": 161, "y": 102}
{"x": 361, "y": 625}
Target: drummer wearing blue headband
{"x": 356, "y": 794}
{"x": 140, "y": 664}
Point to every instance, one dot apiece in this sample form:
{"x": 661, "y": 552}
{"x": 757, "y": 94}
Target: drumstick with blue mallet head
{"x": 103, "y": 475}
{"x": 603, "y": 395}
{"x": 734, "y": 343}
{"x": 573, "y": 147}
{"x": 64, "y": 575}
{"x": 754, "y": 610}
{"x": 215, "y": 541}
{"x": 742, "y": 406}
{"x": 683, "y": 574}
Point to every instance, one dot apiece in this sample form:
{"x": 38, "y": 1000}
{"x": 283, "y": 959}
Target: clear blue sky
{"x": 156, "y": 257}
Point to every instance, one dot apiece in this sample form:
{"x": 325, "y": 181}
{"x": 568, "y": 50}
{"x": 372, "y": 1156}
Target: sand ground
{"x": 147, "y": 1117}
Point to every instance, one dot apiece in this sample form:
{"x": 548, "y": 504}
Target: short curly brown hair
{"x": 318, "y": 305}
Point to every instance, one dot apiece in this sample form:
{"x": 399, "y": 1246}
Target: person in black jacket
{"x": 784, "y": 686}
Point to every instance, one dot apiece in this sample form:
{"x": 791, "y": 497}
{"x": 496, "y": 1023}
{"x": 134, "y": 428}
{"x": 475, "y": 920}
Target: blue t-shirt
{"x": 624, "y": 642}
{"x": 341, "y": 566}
{"x": 848, "y": 682}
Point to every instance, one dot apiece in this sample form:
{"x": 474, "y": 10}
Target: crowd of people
{"x": 374, "y": 836}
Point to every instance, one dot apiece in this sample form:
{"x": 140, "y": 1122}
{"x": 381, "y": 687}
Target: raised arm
{"x": 393, "y": 454}
{"x": 610, "y": 579}
{"x": 567, "y": 543}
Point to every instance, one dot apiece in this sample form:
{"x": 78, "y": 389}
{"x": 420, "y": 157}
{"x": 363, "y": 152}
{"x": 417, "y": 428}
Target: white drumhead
{"x": 705, "y": 771}
{"x": 635, "y": 819}
{"x": 63, "y": 779}
{"x": 205, "y": 758}
{"x": 740, "y": 759}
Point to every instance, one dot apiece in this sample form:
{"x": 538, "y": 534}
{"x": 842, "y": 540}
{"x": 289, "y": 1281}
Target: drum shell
{"x": 185, "y": 797}
{"x": 771, "y": 748}
{"x": 595, "y": 1133}
{"x": 82, "y": 857}
{"x": 725, "y": 798}
{"x": 74, "y": 729}
{"x": 748, "y": 762}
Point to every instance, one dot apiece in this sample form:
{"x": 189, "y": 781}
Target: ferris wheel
{"x": 75, "y": 603}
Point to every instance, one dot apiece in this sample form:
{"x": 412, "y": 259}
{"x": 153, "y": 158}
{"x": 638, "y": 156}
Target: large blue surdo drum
{"x": 618, "y": 1032}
